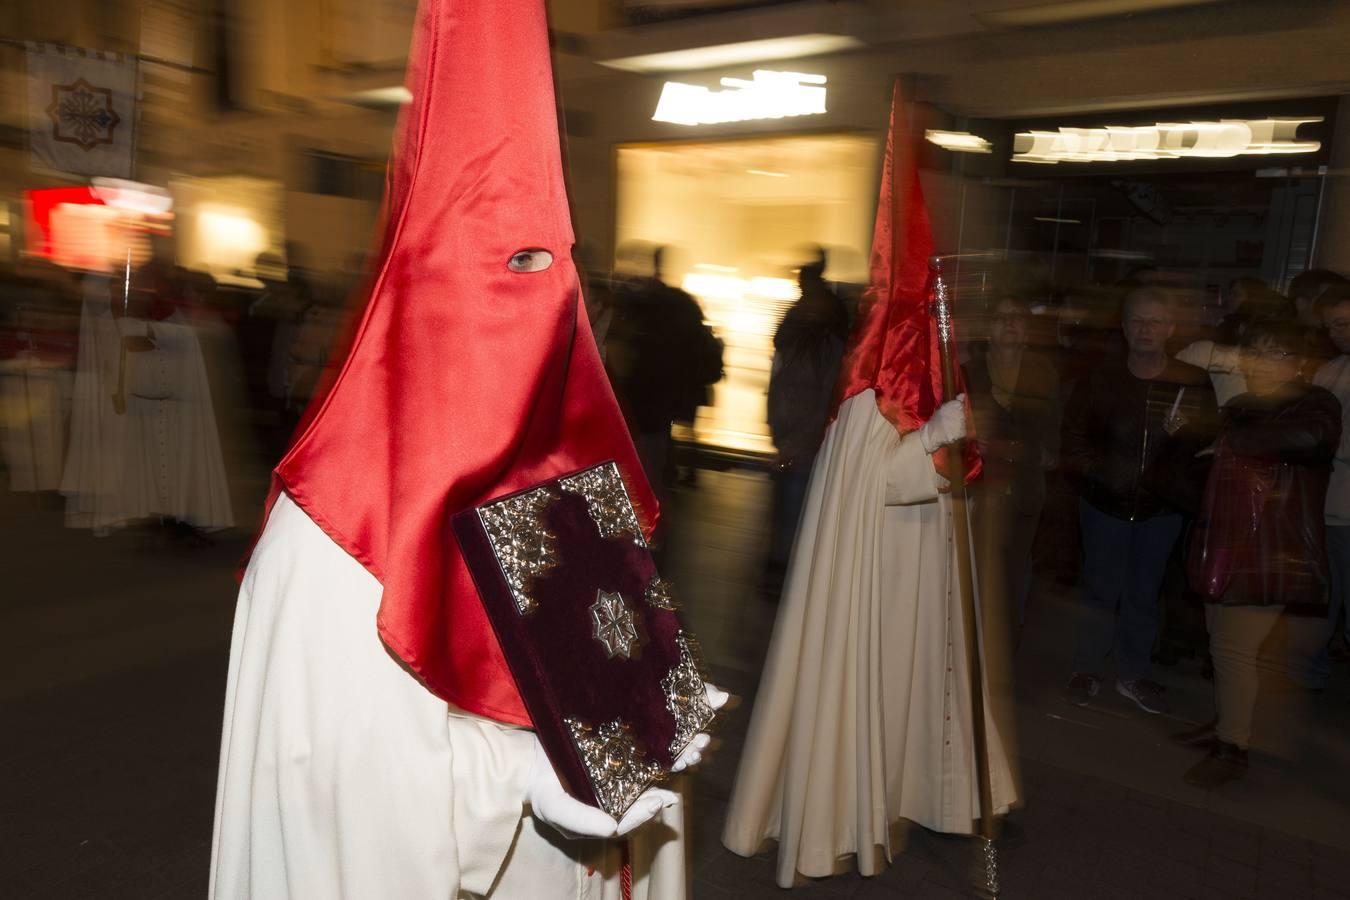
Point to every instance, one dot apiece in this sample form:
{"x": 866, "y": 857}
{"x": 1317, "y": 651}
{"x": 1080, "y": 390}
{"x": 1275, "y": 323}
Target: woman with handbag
{"x": 1258, "y": 548}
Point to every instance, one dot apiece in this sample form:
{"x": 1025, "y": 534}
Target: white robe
{"x": 161, "y": 456}
{"x": 863, "y": 714}
{"x": 341, "y": 776}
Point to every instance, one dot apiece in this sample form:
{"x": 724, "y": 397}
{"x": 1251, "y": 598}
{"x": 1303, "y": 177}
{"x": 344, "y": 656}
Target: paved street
{"x": 115, "y": 653}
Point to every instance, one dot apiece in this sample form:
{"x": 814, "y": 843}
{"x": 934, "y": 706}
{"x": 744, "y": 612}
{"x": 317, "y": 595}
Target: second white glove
{"x": 947, "y": 425}
{"x": 693, "y": 754}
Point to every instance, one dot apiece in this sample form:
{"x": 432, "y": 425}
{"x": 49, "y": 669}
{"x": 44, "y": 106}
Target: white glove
{"x": 691, "y": 755}
{"x": 573, "y": 819}
{"x": 947, "y": 426}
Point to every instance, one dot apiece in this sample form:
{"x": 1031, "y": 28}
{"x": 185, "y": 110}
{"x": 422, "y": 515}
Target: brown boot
{"x": 1226, "y": 762}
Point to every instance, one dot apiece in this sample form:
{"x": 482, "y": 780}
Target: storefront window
{"x": 739, "y": 218}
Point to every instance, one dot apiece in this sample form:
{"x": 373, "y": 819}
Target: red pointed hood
{"x": 466, "y": 379}
{"x": 894, "y": 346}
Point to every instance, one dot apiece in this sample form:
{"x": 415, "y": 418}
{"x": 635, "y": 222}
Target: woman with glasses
{"x": 1258, "y": 548}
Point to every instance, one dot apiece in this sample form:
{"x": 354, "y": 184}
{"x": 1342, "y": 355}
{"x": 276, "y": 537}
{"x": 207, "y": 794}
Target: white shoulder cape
{"x": 343, "y": 778}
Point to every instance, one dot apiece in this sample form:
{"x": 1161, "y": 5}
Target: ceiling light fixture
{"x": 740, "y": 53}
{"x": 1079, "y": 11}
{"x": 958, "y": 141}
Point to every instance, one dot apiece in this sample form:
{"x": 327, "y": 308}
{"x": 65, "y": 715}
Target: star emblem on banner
{"x": 82, "y": 114}
{"x": 614, "y": 624}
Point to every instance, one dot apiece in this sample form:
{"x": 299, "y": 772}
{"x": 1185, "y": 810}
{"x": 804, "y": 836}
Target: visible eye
{"x": 530, "y": 261}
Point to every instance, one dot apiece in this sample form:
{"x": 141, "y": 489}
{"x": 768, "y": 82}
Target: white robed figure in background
{"x": 375, "y": 743}
{"x": 143, "y": 437}
{"x": 863, "y": 716}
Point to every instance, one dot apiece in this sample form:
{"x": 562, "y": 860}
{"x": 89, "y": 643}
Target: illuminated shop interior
{"x": 224, "y": 223}
{"x": 739, "y": 217}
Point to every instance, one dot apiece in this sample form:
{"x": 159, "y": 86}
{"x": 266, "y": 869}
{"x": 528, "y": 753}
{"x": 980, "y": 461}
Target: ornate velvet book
{"x": 588, "y": 627}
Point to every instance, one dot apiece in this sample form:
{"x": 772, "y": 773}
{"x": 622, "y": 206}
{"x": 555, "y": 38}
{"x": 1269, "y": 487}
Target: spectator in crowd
{"x": 808, "y": 347}
{"x": 1128, "y": 426}
{"x": 1181, "y": 630}
{"x": 311, "y": 352}
{"x": 1305, "y": 290}
{"x": 1222, "y": 362}
{"x": 1014, "y": 396}
{"x": 1258, "y": 548}
{"x": 38, "y": 337}
{"x": 1247, "y": 300}
{"x": 1335, "y": 377}
{"x": 266, "y": 329}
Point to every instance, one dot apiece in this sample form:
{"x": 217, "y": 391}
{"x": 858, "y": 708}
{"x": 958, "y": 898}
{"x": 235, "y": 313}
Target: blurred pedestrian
{"x": 1259, "y": 547}
{"x": 37, "y": 361}
{"x": 808, "y": 347}
{"x": 1126, "y": 427}
{"x": 311, "y": 351}
{"x": 1014, "y": 391}
{"x": 664, "y": 359}
{"x": 267, "y": 329}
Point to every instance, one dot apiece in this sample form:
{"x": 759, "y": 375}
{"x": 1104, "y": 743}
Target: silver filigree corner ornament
{"x": 686, "y": 697}
{"x": 615, "y": 625}
{"x": 607, "y": 501}
{"x": 618, "y": 770}
{"x": 660, "y": 594}
{"x": 521, "y": 541}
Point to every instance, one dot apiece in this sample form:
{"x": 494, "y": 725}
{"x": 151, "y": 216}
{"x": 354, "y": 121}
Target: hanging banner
{"x": 81, "y": 110}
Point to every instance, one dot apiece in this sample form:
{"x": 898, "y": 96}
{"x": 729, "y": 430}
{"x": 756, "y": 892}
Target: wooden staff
{"x": 942, "y": 312}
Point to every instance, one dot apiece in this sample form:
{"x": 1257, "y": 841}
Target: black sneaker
{"x": 1082, "y": 687}
{"x": 1225, "y": 762}
{"x": 1148, "y": 694}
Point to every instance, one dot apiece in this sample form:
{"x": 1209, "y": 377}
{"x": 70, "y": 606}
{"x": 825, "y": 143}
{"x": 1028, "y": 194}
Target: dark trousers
{"x": 1123, "y": 567}
{"x": 1338, "y": 560}
{"x": 789, "y": 496}
{"x": 1182, "y": 629}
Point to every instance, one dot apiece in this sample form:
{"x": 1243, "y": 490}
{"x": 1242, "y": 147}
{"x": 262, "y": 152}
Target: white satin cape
{"x": 863, "y": 712}
{"x": 343, "y": 778}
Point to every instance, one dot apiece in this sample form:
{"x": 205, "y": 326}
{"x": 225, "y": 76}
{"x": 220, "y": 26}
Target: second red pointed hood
{"x": 894, "y": 349}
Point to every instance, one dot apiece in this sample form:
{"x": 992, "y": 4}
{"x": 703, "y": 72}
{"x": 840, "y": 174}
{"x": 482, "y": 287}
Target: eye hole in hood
{"x": 532, "y": 260}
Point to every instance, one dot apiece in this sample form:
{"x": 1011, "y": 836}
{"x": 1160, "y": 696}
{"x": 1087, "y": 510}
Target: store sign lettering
{"x": 1166, "y": 140}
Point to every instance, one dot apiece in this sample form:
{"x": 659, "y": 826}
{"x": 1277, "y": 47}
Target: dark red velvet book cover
{"x": 588, "y": 627}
